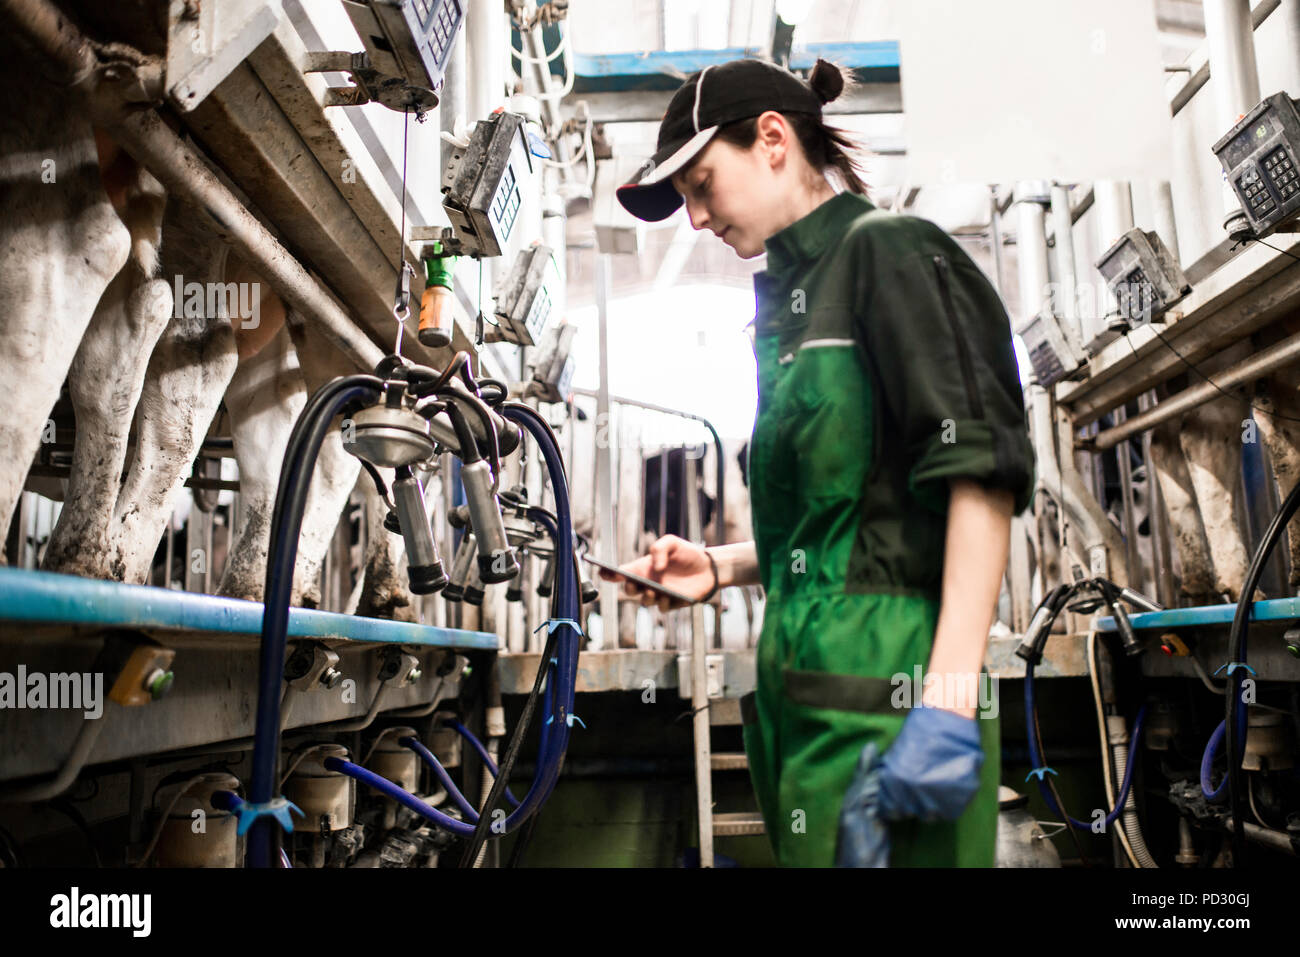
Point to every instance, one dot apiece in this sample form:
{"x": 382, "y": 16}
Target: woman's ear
{"x": 773, "y": 136}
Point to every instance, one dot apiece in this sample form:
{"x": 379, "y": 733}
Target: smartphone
{"x": 644, "y": 582}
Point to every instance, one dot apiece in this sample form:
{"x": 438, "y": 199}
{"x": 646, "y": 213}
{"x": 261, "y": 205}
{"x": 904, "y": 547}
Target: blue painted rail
{"x": 875, "y": 61}
{"x": 48, "y": 598}
{"x": 1274, "y": 609}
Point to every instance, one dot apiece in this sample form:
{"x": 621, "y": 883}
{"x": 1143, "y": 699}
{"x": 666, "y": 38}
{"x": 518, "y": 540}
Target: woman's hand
{"x": 932, "y": 770}
{"x": 675, "y": 563}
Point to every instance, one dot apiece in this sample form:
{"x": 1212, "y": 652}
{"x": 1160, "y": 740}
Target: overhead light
{"x": 793, "y": 12}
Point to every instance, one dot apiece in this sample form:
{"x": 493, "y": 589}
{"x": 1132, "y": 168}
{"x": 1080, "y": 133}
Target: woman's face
{"x": 741, "y": 195}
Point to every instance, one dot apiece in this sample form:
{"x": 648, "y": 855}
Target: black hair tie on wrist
{"x": 714, "y": 565}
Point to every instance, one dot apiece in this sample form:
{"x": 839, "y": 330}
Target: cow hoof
{"x": 385, "y": 603}
{"x": 308, "y": 599}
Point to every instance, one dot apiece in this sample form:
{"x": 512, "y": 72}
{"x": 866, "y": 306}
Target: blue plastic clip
{"x": 277, "y": 808}
{"x": 537, "y": 146}
{"x": 550, "y": 624}
{"x": 569, "y": 719}
{"x": 1040, "y": 773}
{"x": 1233, "y": 666}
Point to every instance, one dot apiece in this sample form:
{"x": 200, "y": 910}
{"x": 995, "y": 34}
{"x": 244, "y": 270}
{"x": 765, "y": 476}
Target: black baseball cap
{"x": 717, "y": 95}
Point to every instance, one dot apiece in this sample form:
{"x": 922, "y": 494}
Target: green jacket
{"x": 885, "y": 369}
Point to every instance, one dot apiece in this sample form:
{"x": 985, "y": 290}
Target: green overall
{"x": 885, "y": 370}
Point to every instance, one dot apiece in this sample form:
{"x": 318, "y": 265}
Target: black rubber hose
{"x": 378, "y": 479}
{"x": 501, "y": 387}
{"x": 459, "y": 363}
{"x": 464, "y": 435}
{"x": 522, "y": 841}
{"x": 507, "y": 763}
{"x": 286, "y": 525}
{"x": 484, "y": 413}
{"x": 1237, "y": 638}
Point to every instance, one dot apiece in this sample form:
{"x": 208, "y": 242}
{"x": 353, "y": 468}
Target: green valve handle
{"x": 439, "y": 269}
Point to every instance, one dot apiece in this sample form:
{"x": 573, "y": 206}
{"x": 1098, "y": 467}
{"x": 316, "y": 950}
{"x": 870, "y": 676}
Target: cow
{"x": 1197, "y": 458}
{"x": 86, "y": 245}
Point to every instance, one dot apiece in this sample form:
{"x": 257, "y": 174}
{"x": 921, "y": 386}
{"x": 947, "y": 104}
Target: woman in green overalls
{"x": 889, "y": 454}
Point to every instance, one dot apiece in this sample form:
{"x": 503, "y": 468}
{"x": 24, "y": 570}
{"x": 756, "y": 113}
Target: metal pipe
{"x": 1066, "y": 268}
{"x": 664, "y": 466}
{"x": 700, "y": 700}
{"x": 1031, "y": 242}
{"x": 87, "y": 735}
{"x": 366, "y": 720}
{"x": 604, "y": 517}
{"x": 1230, "y": 35}
{"x": 153, "y": 144}
{"x": 1160, "y": 547}
{"x": 1114, "y": 201}
{"x": 1266, "y": 836}
{"x": 147, "y": 138}
{"x": 1062, "y": 480}
{"x": 1262, "y": 11}
{"x": 451, "y": 100}
{"x": 1162, "y": 215}
{"x": 486, "y": 48}
{"x": 1260, "y": 364}
{"x": 1124, "y": 462}
{"x": 719, "y": 524}
{"x": 1291, "y": 28}
{"x": 67, "y": 52}
{"x": 995, "y": 236}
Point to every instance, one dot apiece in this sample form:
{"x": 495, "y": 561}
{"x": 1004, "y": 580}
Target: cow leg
{"x": 1191, "y": 545}
{"x": 1211, "y": 440}
{"x": 1278, "y": 416}
{"x": 265, "y": 398}
{"x": 336, "y": 469}
{"x": 105, "y": 382}
{"x": 61, "y": 243}
{"x": 188, "y": 373}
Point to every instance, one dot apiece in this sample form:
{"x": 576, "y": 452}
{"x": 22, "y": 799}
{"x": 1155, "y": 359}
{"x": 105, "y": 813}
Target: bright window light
{"x": 684, "y": 348}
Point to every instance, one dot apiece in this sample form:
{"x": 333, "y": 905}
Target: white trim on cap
{"x": 684, "y": 154}
{"x": 699, "y": 85}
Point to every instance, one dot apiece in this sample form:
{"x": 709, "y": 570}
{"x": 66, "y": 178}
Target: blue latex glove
{"x": 864, "y": 837}
{"x": 932, "y": 770}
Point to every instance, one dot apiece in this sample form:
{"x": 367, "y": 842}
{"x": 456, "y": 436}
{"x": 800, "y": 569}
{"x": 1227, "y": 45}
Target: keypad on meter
{"x": 1281, "y": 170}
{"x": 1256, "y": 192}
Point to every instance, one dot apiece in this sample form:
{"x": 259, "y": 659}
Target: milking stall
{"x": 608, "y": 433}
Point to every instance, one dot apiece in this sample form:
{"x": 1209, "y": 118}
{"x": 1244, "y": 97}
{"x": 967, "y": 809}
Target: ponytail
{"x": 826, "y": 147}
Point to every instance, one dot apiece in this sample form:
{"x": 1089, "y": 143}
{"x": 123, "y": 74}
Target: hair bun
{"x": 826, "y": 80}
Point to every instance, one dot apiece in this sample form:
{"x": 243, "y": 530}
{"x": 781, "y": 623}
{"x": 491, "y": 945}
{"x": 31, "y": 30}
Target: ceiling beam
{"x": 649, "y": 106}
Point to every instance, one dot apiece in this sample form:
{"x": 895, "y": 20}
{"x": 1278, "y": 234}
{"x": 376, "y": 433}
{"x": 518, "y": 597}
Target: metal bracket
{"x": 371, "y": 85}
{"x": 311, "y": 663}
